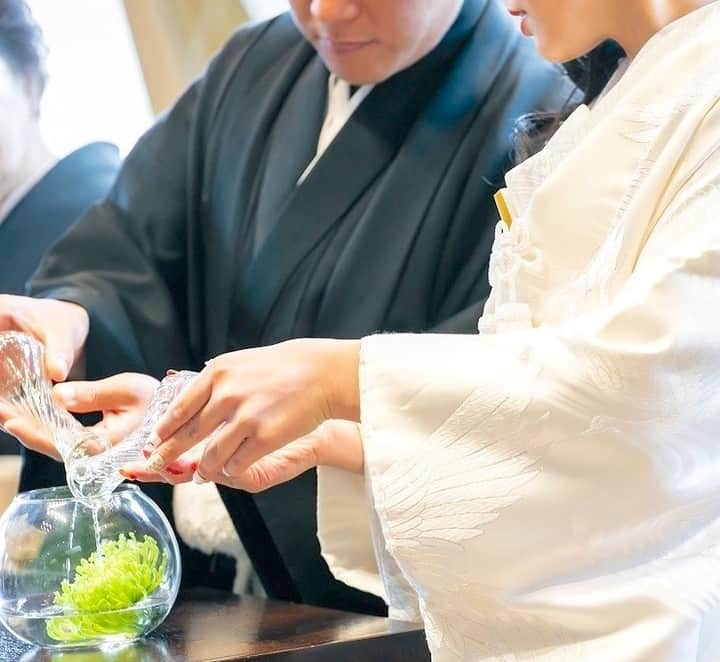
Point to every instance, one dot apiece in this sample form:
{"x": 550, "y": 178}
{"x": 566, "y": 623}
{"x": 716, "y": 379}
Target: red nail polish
{"x": 193, "y": 467}
{"x": 147, "y": 452}
{"x": 171, "y": 372}
{"x": 173, "y": 472}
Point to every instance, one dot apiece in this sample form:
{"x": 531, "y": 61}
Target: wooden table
{"x": 230, "y": 628}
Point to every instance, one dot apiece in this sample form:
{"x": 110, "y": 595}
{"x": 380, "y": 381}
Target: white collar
{"x": 340, "y": 108}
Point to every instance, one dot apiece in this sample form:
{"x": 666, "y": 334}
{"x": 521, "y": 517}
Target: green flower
{"x": 106, "y": 585}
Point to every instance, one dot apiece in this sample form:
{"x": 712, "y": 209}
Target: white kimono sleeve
{"x": 561, "y": 485}
{"x": 348, "y": 530}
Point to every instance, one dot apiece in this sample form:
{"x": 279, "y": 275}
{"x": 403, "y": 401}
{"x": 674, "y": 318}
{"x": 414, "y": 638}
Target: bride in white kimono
{"x": 548, "y": 489}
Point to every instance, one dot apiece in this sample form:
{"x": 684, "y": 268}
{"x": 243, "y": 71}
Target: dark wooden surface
{"x": 230, "y": 628}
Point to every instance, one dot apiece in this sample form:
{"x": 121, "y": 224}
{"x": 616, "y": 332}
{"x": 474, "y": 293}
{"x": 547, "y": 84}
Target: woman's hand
{"x": 334, "y": 443}
{"x": 122, "y": 399}
{"x": 248, "y": 404}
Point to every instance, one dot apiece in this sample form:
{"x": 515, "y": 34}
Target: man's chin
{"x": 356, "y": 78}
{"x": 356, "y": 70}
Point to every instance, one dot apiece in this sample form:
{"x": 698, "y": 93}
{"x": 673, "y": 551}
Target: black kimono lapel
{"x": 262, "y": 151}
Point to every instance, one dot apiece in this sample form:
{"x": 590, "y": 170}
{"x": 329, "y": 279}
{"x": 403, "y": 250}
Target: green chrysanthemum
{"x": 124, "y": 572}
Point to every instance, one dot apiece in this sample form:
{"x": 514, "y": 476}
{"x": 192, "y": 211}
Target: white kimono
{"x": 550, "y": 488}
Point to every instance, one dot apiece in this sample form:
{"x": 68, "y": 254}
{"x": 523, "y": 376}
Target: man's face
{"x": 18, "y": 120}
{"x": 368, "y": 41}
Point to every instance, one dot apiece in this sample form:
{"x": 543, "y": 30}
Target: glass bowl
{"x": 77, "y": 573}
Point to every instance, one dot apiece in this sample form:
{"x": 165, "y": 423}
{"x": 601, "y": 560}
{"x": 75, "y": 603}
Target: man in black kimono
{"x": 40, "y": 196}
{"x": 273, "y": 202}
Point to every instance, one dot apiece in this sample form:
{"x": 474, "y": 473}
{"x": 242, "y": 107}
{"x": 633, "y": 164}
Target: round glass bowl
{"x": 86, "y": 573}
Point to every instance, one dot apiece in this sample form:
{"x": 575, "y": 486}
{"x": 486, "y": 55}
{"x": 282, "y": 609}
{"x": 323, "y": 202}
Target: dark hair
{"x": 22, "y": 47}
{"x": 590, "y": 73}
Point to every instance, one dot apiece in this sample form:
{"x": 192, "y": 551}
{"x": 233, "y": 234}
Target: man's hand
{"x": 61, "y": 326}
{"x": 122, "y": 399}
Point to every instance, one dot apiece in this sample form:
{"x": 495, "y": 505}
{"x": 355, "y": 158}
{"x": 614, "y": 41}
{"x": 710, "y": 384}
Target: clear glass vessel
{"x": 77, "y": 573}
{"x": 101, "y": 471}
{"x": 25, "y": 386}
{"x": 92, "y": 463}
{"x": 146, "y": 650}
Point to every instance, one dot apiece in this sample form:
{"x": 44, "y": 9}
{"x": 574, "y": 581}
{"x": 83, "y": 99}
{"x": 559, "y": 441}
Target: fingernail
{"x": 67, "y": 393}
{"x": 193, "y": 467}
{"x": 156, "y": 462}
{"x": 147, "y": 452}
{"x": 173, "y": 471}
{"x": 170, "y": 372}
{"x": 198, "y": 479}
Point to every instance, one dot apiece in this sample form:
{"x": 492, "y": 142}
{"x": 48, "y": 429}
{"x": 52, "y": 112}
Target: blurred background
{"x": 115, "y": 64}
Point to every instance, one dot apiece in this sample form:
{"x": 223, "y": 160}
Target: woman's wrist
{"x": 342, "y": 382}
{"x": 339, "y": 444}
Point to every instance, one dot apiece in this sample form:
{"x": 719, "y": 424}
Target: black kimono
{"x": 33, "y": 225}
{"x": 208, "y": 243}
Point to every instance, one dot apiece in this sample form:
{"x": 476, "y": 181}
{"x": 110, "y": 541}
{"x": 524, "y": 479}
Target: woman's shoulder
{"x": 684, "y": 55}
